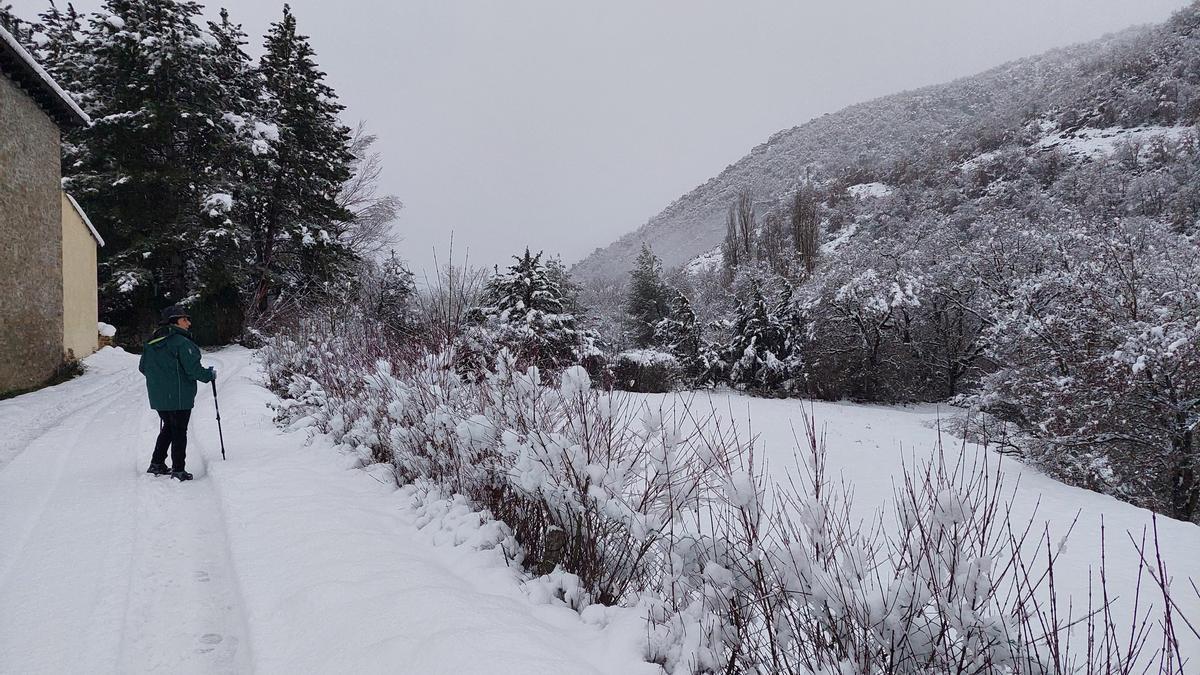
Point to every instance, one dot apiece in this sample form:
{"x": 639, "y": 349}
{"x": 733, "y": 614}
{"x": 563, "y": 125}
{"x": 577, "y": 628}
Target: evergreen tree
{"x": 20, "y": 29}
{"x": 680, "y": 334}
{"x": 390, "y": 292}
{"x": 761, "y": 351}
{"x": 524, "y": 313}
{"x": 145, "y": 168}
{"x": 225, "y": 237}
{"x": 57, "y": 45}
{"x": 557, "y": 272}
{"x": 296, "y": 224}
{"x": 647, "y": 301}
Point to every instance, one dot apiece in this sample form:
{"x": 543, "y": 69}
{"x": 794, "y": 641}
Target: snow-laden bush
{"x": 645, "y": 370}
{"x": 664, "y": 510}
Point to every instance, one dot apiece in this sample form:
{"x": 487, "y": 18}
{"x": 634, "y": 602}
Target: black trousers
{"x": 174, "y": 435}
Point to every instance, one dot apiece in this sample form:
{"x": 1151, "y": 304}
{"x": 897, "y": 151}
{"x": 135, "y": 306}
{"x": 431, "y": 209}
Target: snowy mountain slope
{"x": 1138, "y": 77}
{"x": 278, "y": 560}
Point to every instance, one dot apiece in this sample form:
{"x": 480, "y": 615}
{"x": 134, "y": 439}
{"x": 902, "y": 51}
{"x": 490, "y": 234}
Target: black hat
{"x": 170, "y": 314}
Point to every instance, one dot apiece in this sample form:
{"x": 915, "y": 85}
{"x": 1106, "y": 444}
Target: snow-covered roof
{"x": 86, "y": 221}
{"x": 19, "y": 66}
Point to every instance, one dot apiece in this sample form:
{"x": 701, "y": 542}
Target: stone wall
{"x": 31, "y": 290}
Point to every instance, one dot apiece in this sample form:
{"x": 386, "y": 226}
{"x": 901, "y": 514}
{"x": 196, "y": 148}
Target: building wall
{"x": 80, "y": 297}
{"x": 31, "y": 286}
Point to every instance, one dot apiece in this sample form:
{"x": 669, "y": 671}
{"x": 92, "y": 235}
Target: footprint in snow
{"x": 210, "y": 639}
{"x": 202, "y": 576}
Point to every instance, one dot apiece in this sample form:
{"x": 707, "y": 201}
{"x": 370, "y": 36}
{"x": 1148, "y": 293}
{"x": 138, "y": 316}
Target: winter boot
{"x": 158, "y": 469}
{"x": 181, "y": 475}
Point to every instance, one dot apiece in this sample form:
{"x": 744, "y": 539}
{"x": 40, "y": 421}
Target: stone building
{"x": 45, "y": 269}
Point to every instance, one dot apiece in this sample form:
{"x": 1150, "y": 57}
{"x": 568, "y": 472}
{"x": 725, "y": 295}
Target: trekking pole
{"x": 220, "y": 433}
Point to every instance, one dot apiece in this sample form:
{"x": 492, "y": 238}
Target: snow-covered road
{"x": 277, "y": 561}
{"x": 103, "y": 568}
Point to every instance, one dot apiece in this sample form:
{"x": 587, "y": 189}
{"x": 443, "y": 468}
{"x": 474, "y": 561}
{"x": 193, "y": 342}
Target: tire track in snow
{"x": 113, "y": 570}
{"x": 25, "y": 428}
{"x": 64, "y": 586}
{"x": 185, "y": 611}
{"x": 14, "y": 500}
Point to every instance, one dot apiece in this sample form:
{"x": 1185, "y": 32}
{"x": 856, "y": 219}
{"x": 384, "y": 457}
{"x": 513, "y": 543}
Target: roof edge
{"x": 68, "y": 112}
{"x": 83, "y": 216}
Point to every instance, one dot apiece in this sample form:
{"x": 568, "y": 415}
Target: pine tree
{"x": 524, "y": 313}
{"x": 558, "y": 274}
{"x": 57, "y": 46}
{"x": 225, "y": 267}
{"x": 647, "y": 301}
{"x": 760, "y": 353}
{"x": 296, "y": 224}
{"x": 144, "y": 169}
{"x": 20, "y": 29}
{"x": 679, "y": 334}
{"x": 390, "y": 292}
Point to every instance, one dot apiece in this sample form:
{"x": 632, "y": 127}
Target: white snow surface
{"x": 863, "y": 190}
{"x": 646, "y": 357}
{"x": 288, "y": 558}
{"x": 840, "y": 238}
{"x": 1100, "y": 142}
{"x": 705, "y": 262}
{"x": 284, "y": 559}
{"x": 868, "y": 446}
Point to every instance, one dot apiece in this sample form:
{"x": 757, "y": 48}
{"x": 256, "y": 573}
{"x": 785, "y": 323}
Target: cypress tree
{"x": 647, "y": 301}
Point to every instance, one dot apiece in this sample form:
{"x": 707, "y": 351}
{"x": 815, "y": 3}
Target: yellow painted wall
{"x": 80, "y": 296}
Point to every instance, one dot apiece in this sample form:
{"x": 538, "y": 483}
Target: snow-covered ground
{"x": 868, "y": 446}
{"x": 286, "y": 558}
{"x": 868, "y": 190}
{"x": 1099, "y": 142}
{"x": 279, "y": 560}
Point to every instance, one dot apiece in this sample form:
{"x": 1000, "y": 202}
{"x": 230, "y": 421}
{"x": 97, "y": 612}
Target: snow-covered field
{"x": 869, "y": 445}
{"x": 286, "y": 558}
{"x": 279, "y": 560}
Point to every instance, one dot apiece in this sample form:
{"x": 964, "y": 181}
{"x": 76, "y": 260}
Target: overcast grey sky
{"x": 563, "y": 125}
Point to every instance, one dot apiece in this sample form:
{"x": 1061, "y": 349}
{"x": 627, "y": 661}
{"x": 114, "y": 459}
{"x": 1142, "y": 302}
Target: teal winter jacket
{"x": 171, "y": 363}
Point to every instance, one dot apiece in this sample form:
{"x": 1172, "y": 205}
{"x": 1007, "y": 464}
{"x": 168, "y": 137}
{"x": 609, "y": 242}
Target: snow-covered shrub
{"x": 1098, "y": 357}
{"x": 645, "y": 370}
{"x": 665, "y": 510}
{"x": 788, "y": 581}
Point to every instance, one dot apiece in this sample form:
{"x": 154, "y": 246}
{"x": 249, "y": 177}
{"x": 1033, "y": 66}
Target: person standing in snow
{"x": 171, "y": 363}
